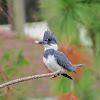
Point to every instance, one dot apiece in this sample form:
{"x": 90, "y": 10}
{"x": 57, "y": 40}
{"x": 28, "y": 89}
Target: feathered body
{"x": 56, "y": 60}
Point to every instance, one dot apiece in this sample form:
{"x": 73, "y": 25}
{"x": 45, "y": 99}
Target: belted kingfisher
{"x": 53, "y": 59}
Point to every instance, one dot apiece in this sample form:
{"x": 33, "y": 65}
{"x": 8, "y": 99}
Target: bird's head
{"x": 49, "y": 41}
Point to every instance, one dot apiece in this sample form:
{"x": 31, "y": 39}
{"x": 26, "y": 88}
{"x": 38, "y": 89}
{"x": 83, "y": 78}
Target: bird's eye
{"x": 49, "y": 39}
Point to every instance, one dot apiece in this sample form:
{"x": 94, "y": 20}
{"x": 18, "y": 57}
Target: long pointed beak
{"x": 41, "y": 42}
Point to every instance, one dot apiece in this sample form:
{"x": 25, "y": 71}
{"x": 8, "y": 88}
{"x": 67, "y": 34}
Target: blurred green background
{"x": 76, "y": 24}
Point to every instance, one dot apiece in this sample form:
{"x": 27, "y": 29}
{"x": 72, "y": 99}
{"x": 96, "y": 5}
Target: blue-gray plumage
{"x": 61, "y": 59}
{"x": 50, "y": 37}
{"x": 54, "y": 59}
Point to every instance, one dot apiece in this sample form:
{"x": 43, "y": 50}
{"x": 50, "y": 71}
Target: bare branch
{"x": 29, "y": 78}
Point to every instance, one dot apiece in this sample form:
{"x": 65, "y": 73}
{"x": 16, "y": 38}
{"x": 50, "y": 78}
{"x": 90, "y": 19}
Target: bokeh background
{"x": 76, "y": 24}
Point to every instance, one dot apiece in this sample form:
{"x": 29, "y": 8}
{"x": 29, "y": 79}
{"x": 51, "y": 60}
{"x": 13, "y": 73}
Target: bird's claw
{"x": 54, "y": 76}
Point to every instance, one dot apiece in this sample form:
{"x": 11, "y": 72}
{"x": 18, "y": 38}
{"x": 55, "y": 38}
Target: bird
{"x": 54, "y": 59}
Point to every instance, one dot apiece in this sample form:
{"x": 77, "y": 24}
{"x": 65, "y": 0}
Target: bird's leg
{"x": 56, "y": 75}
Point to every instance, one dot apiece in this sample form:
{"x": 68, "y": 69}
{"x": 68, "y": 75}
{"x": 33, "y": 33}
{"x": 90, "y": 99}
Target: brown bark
{"x": 92, "y": 35}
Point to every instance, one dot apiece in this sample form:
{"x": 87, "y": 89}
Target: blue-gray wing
{"x": 63, "y": 61}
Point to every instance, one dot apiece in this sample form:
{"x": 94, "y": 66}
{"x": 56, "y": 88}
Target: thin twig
{"x": 29, "y": 78}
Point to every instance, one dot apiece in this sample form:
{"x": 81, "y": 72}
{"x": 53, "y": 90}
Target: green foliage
{"x": 21, "y": 60}
{"x": 64, "y": 17}
{"x": 12, "y": 62}
{"x": 61, "y": 86}
{"x": 85, "y": 89}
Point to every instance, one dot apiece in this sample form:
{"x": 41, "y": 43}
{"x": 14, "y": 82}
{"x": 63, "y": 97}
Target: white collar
{"x": 51, "y": 46}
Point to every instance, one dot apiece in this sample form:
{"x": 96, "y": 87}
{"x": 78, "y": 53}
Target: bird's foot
{"x": 55, "y": 76}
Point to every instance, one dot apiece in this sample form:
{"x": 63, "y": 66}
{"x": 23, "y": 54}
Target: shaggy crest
{"x": 48, "y": 35}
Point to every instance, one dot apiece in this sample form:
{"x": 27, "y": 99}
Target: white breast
{"x": 52, "y": 65}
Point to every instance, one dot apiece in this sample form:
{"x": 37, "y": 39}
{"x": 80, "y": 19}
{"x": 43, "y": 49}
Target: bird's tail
{"x": 79, "y": 65}
{"x": 75, "y": 66}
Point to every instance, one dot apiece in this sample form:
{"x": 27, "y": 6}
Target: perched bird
{"x": 53, "y": 59}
